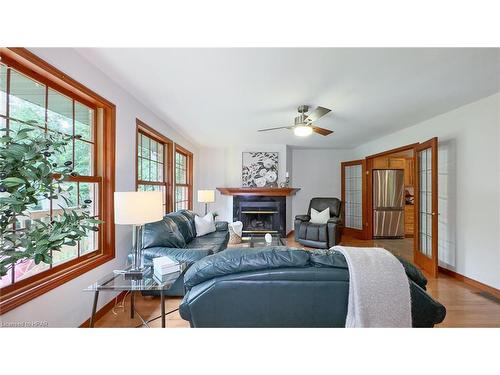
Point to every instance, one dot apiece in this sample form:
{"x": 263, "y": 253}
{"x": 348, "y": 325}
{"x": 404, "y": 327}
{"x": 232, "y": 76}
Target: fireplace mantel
{"x": 265, "y": 192}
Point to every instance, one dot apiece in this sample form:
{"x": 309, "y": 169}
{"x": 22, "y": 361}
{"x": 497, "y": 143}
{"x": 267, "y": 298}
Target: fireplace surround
{"x": 261, "y": 210}
{"x": 260, "y": 214}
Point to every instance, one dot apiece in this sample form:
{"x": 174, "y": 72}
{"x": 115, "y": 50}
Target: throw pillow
{"x": 320, "y": 217}
{"x": 184, "y": 224}
{"x": 204, "y": 225}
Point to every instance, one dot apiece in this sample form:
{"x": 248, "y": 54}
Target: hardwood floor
{"x": 148, "y": 307}
{"x": 465, "y": 306}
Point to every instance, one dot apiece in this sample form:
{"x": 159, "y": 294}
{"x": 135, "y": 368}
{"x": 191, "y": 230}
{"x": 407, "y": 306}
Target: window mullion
{"x": 78, "y": 248}
{"x": 46, "y": 109}
{"x": 45, "y": 131}
{"x": 73, "y": 138}
{"x": 7, "y": 110}
{"x": 7, "y": 125}
{"x": 149, "y": 158}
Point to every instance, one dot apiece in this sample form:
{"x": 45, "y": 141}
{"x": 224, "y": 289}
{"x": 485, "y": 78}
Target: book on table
{"x": 165, "y": 265}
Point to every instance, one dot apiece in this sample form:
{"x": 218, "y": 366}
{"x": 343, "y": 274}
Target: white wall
{"x": 211, "y": 175}
{"x": 68, "y": 305}
{"x": 221, "y": 167}
{"x": 469, "y": 184}
{"x": 317, "y": 173}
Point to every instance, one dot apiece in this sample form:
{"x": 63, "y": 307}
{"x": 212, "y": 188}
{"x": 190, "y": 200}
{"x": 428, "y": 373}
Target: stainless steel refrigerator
{"x": 388, "y": 203}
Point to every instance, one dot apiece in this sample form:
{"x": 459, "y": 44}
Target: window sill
{"x": 18, "y": 297}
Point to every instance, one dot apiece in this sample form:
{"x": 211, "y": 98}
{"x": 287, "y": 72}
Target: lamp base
{"x": 134, "y": 274}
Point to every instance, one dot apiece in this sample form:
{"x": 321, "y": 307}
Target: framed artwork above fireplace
{"x": 259, "y": 169}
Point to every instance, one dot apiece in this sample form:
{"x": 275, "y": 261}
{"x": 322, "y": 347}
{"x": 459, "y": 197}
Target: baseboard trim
{"x": 474, "y": 283}
{"x": 105, "y": 309}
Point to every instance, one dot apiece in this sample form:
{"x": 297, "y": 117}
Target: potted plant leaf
{"x": 30, "y": 175}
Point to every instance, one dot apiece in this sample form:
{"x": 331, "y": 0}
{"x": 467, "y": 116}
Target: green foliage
{"x": 31, "y": 171}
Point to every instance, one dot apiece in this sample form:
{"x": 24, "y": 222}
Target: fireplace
{"x": 260, "y": 214}
{"x": 261, "y": 210}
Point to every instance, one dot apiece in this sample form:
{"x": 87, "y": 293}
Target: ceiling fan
{"x": 303, "y": 126}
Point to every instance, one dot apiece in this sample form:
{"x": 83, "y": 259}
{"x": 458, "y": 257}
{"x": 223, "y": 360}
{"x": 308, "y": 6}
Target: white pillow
{"x": 320, "y": 217}
{"x": 204, "y": 225}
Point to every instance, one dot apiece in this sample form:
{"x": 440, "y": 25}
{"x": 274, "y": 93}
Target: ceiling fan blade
{"x": 280, "y": 127}
{"x": 317, "y": 113}
{"x": 321, "y": 131}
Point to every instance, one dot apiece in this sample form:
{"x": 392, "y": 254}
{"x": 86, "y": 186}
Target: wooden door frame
{"x": 351, "y": 232}
{"x": 369, "y": 185}
{"x": 430, "y": 265}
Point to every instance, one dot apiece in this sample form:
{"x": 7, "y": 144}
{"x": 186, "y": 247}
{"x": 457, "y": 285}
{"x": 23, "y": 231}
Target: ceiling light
{"x": 302, "y": 130}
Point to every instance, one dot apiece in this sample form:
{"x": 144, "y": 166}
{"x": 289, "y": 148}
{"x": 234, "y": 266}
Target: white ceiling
{"x": 220, "y": 97}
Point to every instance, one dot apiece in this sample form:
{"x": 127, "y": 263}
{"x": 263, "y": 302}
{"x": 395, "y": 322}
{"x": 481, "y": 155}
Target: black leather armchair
{"x": 322, "y": 236}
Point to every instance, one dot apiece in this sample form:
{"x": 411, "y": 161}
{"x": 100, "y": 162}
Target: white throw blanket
{"x": 379, "y": 290}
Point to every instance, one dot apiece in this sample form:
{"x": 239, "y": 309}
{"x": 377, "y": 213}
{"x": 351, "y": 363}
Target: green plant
{"x": 29, "y": 175}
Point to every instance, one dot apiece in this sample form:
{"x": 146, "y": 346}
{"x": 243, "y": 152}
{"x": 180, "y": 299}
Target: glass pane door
{"x": 425, "y": 253}
{"x": 425, "y": 207}
{"x": 352, "y": 197}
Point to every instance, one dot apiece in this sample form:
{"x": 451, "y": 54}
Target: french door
{"x": 425, "y": 251}
{"x": 353, "y": 176}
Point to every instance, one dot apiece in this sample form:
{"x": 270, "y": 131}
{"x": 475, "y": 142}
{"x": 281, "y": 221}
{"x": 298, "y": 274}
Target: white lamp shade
{"x": 206, "y": 196}
{"x": 138, "y": 207}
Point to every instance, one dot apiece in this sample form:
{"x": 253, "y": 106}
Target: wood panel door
{"x": 353, "y": 176}
{"x": 426, "y": 200}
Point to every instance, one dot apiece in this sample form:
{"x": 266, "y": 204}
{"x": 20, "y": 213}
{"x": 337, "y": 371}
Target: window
{"x": 154, "y": 166}
{"x": 183, "y": 179}
{"x": 35, "y": 94}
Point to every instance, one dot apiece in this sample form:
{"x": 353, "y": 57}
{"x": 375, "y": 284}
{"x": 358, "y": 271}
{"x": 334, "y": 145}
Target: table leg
{"x": 132, "y": 305}
{"x": 94, "y": 308}
{"x": 162, "y": 309}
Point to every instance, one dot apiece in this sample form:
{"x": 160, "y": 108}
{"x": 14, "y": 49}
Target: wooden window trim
{"x": 189, "y": 185}
{"x": 23, "y": 291}
{"x": 142, "y": 128}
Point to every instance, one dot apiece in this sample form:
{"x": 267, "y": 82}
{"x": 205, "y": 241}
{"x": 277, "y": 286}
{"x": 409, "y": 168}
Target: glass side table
{"x": 118, "y": 282}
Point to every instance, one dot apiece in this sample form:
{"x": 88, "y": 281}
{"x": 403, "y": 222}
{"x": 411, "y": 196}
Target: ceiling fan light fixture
{"x": 302, "y": 130}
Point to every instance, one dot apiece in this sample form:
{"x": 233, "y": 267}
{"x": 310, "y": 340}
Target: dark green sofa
{"x": 281, "y": 287}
